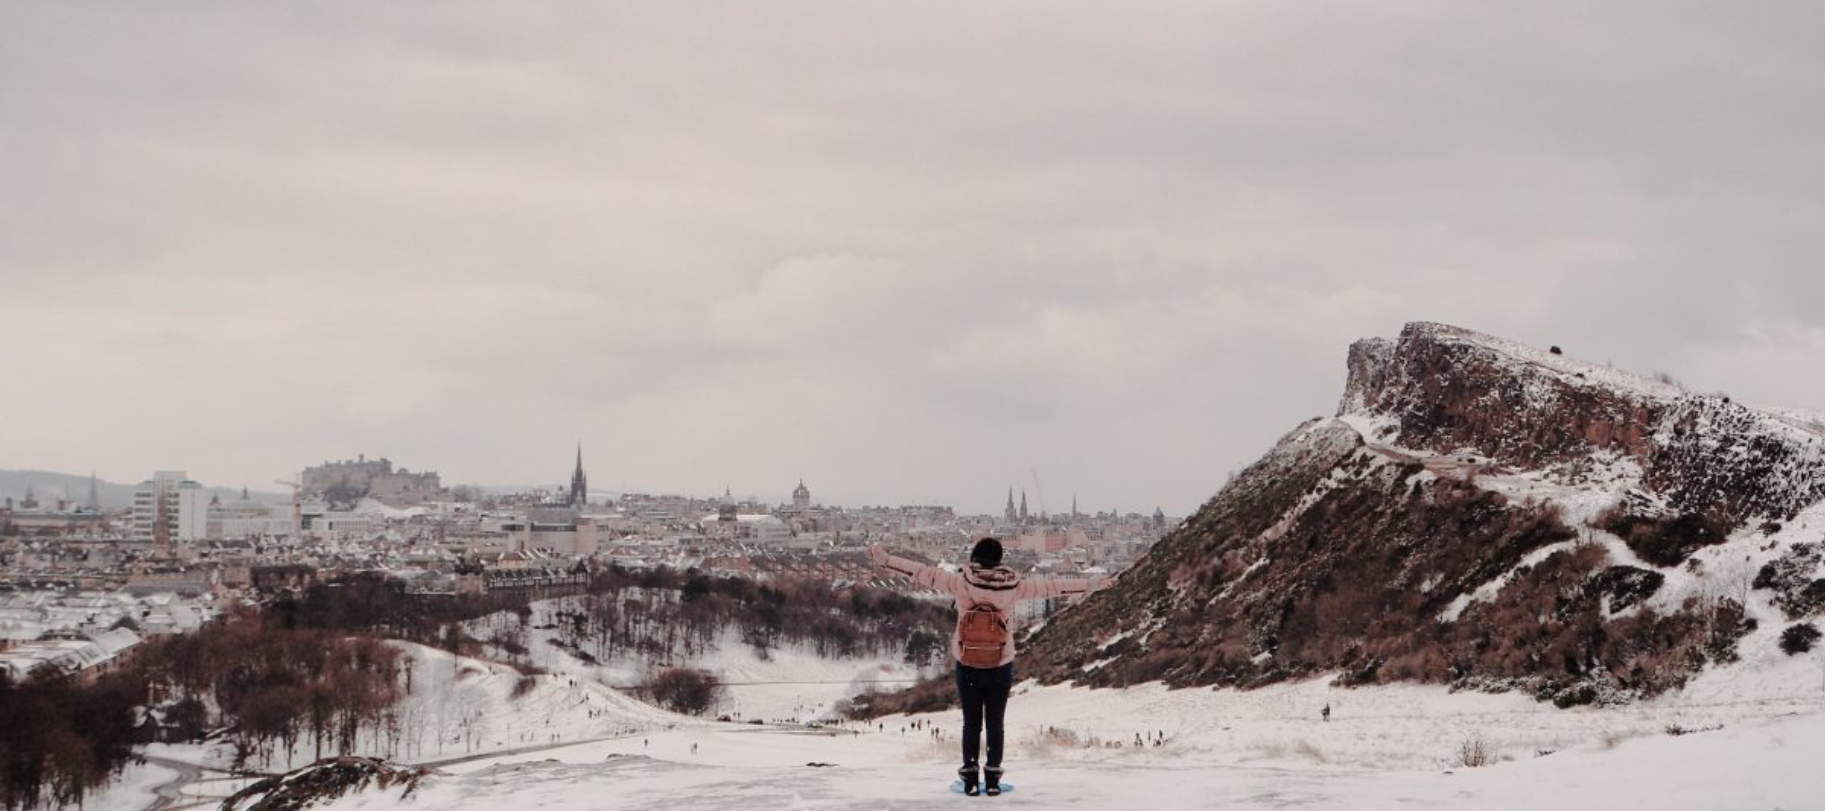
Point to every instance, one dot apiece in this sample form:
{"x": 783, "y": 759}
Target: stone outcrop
{"x": 1444, "y": 388}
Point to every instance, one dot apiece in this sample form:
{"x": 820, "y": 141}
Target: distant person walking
{"x": 983, "y": 642}
{"x": 1326, "y": 712}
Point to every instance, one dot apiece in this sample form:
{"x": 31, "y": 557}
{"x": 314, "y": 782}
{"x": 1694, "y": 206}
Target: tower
{"x": 1023, "y": 506}
{"x": 94, "y": 493}
{"x": 801, "y": 497}
{"x": 161, "y": 528}
{"x": 579, "y": 483}
{"x": 1009, "y": 513}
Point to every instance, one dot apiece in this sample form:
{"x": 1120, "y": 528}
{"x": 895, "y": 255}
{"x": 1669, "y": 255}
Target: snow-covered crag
{"x": 1479, "y": 513}
{"x": 1441, "y": 388}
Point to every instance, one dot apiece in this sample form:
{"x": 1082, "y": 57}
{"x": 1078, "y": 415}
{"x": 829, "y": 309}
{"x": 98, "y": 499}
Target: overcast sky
{"x": 910, "y": 252}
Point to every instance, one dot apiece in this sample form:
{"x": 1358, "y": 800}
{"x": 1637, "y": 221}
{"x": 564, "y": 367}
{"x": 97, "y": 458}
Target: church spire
{"x": 579, "y": 483}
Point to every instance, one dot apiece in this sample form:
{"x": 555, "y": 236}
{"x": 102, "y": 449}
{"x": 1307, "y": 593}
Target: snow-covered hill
{"x": 1483, "y": 514}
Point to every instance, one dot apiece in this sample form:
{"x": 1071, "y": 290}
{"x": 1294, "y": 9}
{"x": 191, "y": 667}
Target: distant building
{"x": 350, "y": 481}
{"x": 558, "y": 530}
{"x": 169, "y": 508}
{"x": 87, "y": 655}
{"x": 246, "y": 518}
{"x": 801, "y": 497}
{"x": 189, "y": 581}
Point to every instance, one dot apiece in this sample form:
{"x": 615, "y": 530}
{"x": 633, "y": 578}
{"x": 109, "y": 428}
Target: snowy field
{"x": 1767, "y": 763}
{"x": 1755, "y": 736}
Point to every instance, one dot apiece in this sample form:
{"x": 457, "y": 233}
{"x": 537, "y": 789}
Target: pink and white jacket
{"x": 1000, "y": 586}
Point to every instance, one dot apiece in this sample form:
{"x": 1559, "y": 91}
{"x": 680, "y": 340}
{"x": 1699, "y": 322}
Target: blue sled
{"x": 957, "y": 787}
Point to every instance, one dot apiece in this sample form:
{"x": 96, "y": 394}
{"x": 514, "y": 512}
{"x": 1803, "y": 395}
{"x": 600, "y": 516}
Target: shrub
{"x": 1790, "y": 578}
{"x": 1475, "y": 752}
{"x": 684, "y": 690}
{"x": 1798, "y": 638}
{"x": 1665, "y": 541}
{"x": 1627, "y": 585}
{"x": 187, "y": 720}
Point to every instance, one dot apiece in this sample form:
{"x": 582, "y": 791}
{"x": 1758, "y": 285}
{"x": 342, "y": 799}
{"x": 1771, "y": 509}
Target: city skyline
{"x": 46, "y": 488}
{"x": 910, "y": 257}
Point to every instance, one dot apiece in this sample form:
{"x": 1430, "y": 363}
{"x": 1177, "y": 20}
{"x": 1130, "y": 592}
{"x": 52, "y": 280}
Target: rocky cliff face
{"x": 1480, "y": 513}
{"x": 1442, "y": 388}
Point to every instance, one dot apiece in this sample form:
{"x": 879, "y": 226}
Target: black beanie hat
{"x": 987, "y": 553}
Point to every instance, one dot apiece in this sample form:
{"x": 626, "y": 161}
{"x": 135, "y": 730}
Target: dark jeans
{"x": 984, "y": 692}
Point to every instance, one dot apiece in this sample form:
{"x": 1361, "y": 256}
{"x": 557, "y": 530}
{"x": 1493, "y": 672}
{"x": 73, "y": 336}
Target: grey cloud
{"x": 908, "y": 252}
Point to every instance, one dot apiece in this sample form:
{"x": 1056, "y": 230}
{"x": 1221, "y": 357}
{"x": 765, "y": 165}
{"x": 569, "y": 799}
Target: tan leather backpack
{"x": 982, "y": 633}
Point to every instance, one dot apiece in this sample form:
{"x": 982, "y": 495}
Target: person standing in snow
{"x": 983, "y": 642}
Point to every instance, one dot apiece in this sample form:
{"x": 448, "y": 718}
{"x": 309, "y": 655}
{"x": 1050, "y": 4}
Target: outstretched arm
{"x": 1045, "y": 588}
{"x": 928, "y": 576}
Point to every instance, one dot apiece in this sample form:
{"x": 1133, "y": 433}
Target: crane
{"x": 297, "y": 508}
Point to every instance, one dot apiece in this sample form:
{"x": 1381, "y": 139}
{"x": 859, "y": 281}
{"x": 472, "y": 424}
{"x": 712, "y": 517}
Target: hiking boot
{"x": 991, "y": 782}
{"x": 967, "y": 774}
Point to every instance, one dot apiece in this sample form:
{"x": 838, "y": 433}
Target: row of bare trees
{"x": 273, "y": 688}
{"x": 670, "y": 617}
{"x": 62, "y": 738}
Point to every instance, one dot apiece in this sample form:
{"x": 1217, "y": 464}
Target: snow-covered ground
{"x": 1754, "y": 731}
{"x": 1757, "y": 729}
{"x": 1383, "y": 749}
{"x": 791, "y": 683}
{"x": 461, "y": 707}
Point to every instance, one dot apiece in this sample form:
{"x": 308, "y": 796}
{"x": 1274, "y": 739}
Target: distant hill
{"x": 49, "y": 487}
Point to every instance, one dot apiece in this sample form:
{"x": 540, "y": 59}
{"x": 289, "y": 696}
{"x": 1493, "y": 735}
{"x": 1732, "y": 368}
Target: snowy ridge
{"x": 1564, "y": 368}
{"x": 1442, "y": 388}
